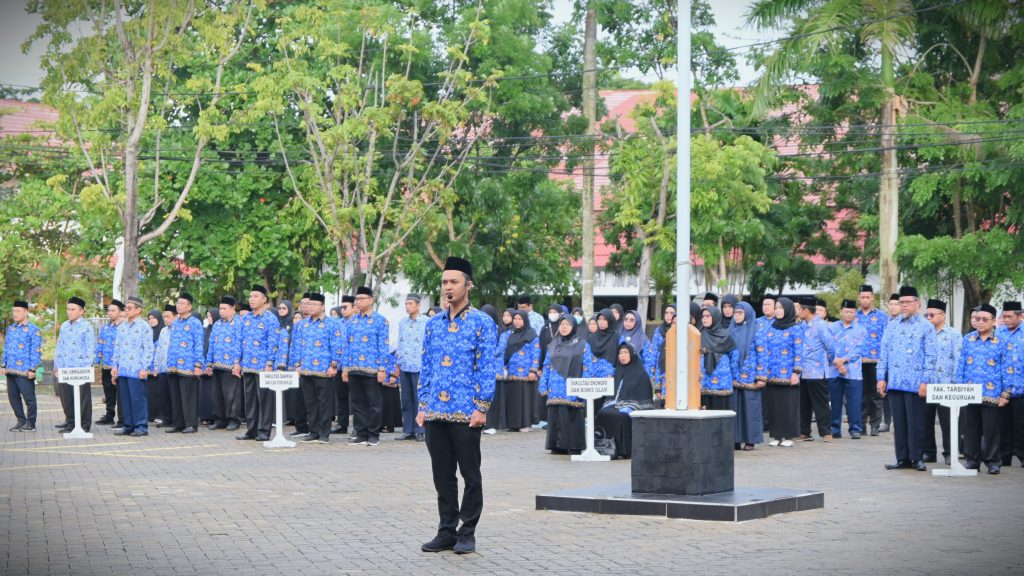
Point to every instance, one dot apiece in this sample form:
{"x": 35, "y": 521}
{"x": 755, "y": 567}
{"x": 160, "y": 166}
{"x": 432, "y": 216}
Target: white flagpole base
{"x": 279, "y": 440}
{"x": 78, "y": 433}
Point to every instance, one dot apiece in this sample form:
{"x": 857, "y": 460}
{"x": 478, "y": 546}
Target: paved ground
{"x": 207, "y": 504}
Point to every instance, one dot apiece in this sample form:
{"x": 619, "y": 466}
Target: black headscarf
{"x": 633, "y": 384}
{"x": 502, "y": 327}
{"x": 566, "y": 352}
{"x": 622, "y": 314}
{"x": 520, "y": 336}
{"x": 730, "y": 299}
{"x": 549, "y": 332}
{"x": 788, "y": 319}
{"x": 603, "y": 343}
{"x": 664, "y": 328}
{"x": 696, "y": 310}
{"x": 489, "y": 310}
{"x": 286, "y": 320}
{"x": 743, "y": 334}
{"x": 715, "y": 340}
{"x": 159, "y": 323}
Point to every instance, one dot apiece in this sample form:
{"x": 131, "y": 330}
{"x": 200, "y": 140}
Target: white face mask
{"x": 553, "y": 316}
{"x": 578, "y": 317}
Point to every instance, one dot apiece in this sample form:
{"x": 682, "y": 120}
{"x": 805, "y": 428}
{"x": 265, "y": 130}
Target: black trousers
{"x": 367, "y": 403}
{"x": 227, "y": 398}
{"x": 907, "y": 418}
{"x": 259, "y": 406}
{"x": 67, "y": 402}
{"x": 163, "y": 385}
{"x": 295, "y": 409}
{"x": 814, "y": 396}
{"x": 455, "y": 445}
{"x": 318, "y": 393}
{"x": 342, "y": 409}
{"x": 871, "y": 401}
{"x": 1011, "y": 433}
{"x": 930, "y": 412}
{"x": 981, "y": 421}
{"x": 184, "y": 400}
{"x": 110, "y": 396}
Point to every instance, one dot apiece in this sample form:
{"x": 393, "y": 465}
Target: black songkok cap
{"x": 771, "y": 297}
{"x": 527, "y": 300}
{"x": 21, "y": 304}
{"x": 306, "y": 295}
{"x": 363, "y": 291}
{"x": 908, "y": 291}
{"x": 894, "y": 296}
{"x": 349, "y": 299}
{"x": 987, "y": 308}
{"x": 821, "y": 303}
{"x": 170, "y": 308}
{"x": 414, "y": 297}
{"x": 118, "y": 303}
{"x": 1011, "y": 306}
{"x": 461, "y": 265}
{"x": 76, "y": 301}
{"x": 258, "y": 288}
{"x": 711, "y": 296}
{"x": 245, "y": 306}
{"x": 937, "y": 304}
{"x": 186, "y": 296}
{"x": 808, "y": 301}
{"x": 229, "y": 300}
{"x": 867, "y": 288}
{"x": 316, "y": 297}
{"x": 849, "y": 304}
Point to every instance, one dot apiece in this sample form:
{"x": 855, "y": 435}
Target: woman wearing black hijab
{"x": 718, "y": 363}
{"x": 729, "y": 302}
{"x": 506, "y": 321}
{"x": 633, "y": 391}
{"x": 156, "y": 321}
{"x": 517, "y": 374}
{"x": 547, "y": 334}
{"x": 568, "y": 356}
{"x": 618, "y": 312}
{"x": 604, "y": 344}
{"x": 780, "y": 349}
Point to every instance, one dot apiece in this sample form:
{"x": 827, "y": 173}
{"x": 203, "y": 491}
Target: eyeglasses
{"x": 911, "y": 301}
{"x": 933, "y": 314}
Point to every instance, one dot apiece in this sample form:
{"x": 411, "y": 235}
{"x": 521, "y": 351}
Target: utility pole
{"x": 683, "y": 87}
{"x": 889, "y": 189}
{"x": 587, "y": 200}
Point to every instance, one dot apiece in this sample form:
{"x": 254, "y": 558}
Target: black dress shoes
{"x": 901, "y": 465}
{"x": 929, "y": 458}
{"x": 920, "y": 466}
{"x": 971, "y": 464}
{"x": 465, "y": 545}
{"x": 232, "y": 427}
{"x": 189, "y": 430}
{"x": 993, "y": 468}
{"x": 262, "y": 438}
{"x": 443, "y": 541}
{"x": 245, "y": 437}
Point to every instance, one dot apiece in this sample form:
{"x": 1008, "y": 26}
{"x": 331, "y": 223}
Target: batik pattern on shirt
{"x": 779, "y": 353}
{"x": 947, "y": 353}
{"x": 522, "y": 362}
{"x": 907, "y": 355}
{"x": 225, "y": 344}
{"x": 260, "y": 339}
{"x": 553, "y": 385}
{"x": 817, "y": 354}
{"x": 982, "y": 361}
{"x": 410, "y": 343}
{"x": 316, "y": 346}
{"x": 746, "y": 370}
{"x": 105, "y": 345}
{"x": 457, "y": 375}
{"x": 76, "y": 345}
{"x": 367, "y": 349}
{"x": 874, "y": 323}
{"x": 185, "y": 351}
{"x": 651, "y": 358}
{"x": 163, "y": 342}
{"x": 1014, "y": 342}
{"x": 720, "y": 382}
{"x": 133, "y": 349}
{"x": 23, "y": 349}
{"x": 848, "y": 344}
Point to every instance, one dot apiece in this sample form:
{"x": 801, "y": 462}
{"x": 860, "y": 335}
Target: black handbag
{"x": 603, "y": 443}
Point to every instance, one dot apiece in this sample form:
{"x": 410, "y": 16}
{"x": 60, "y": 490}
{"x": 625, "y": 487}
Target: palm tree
{"x": 882, "y": 26}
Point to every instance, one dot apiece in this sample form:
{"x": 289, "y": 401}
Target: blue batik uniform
{"x": 720, "y": 382}
{"x": 522, "y": 362}
{"x": 316, "y": 346}
{"x": 105, "y": 345}
{"x": 225, "y": 349}
{"x": 410, "y": 343}
{"x": 818, "y": 350}
{"x": 848, "y": 344}
{"x": 367, "y": 349}
{"x": 601, "y": 368}
{"x": 286, "y": 358}
{"x": 650, "y": 359}
{"x": 947, "y": 354}
{"x": 983, "y": 361}
{"x": 874, "y": 323}
{"x": 1014, "y": 344}
{"x": 499, "y": 354}
{"x": 746, "y": 370}
{"x": 780, "y": 354}
{"x": 76, "y": 346}
{"x": 133, "y": 349}
{"x": 457, "y": 375}
{"x": 163, "y": 342}
{"x": 553, "y": 385}
{"x": 23, "y": 349}
{"x": 907, "y": 354}
{"x": 260, "y": 338}
{"x": 185, "y": 349}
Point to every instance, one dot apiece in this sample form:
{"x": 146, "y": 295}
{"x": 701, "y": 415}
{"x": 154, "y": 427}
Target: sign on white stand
{"x": 954, "y": 397}
{"x": 279, "y": 382}
{"x": 590, "y": 389}
{"x": 77, "y": 377}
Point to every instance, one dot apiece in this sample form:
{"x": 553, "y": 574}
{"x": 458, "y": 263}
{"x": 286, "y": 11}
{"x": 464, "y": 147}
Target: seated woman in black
{"x": 633, "y": 391}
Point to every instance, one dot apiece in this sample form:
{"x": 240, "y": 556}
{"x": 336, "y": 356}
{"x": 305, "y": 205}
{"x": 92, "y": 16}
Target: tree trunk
{"x": 973, "y": 296}
{"x": 587, "y": 200}
{"x": 130, "y": 268}
{"x": 888, "y": 193}
{"x": 643, "y": 276}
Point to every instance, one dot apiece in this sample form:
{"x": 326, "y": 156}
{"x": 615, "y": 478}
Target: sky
{"x": 22, "y": 69}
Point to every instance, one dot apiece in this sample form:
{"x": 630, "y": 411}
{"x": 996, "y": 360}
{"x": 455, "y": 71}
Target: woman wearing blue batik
{"x": 654, "y": 355}
{"x": 718, "y": 361}
{"x": 517, "y": 374}
{"x": 779, "y": 353}
{"x": 747, "y": 394}
{"x": 569, "y": 356}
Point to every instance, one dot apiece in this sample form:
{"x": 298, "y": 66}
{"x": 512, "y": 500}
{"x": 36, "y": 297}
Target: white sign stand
{"x": 955, "y": 397}
{"x": 279, "y": 382}
{"x": 591, "y": 389}
{"x": 77, "y": 377}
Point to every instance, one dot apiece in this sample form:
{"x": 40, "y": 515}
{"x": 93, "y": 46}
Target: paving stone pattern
{"x": 207, "y": 504}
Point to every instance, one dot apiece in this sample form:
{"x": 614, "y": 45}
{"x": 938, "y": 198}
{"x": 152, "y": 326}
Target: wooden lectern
{"x": 693, "y": 372}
